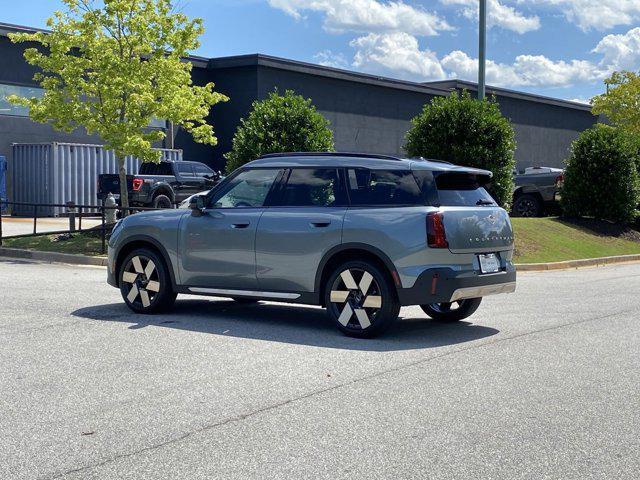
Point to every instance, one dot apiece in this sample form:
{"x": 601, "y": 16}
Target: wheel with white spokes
{"x": 452, "y": 311}
{"x": 361, "y": 299}
{"x": 145, "y": 283}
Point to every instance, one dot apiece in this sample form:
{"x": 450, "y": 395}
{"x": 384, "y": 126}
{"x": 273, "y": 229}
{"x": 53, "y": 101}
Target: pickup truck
{"x": 161, "y": 185}
{"x": 537, "y": 190}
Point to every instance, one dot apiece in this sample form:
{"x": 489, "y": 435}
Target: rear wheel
{"x": 527, "y": 205}
{"x": 452, "y": 311}
{"x": 145, "y": 284}
{"x": 361, "y": 299}
{"x": 162, "y": 201}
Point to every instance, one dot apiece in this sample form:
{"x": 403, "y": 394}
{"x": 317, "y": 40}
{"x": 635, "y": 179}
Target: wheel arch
{"x": 353, "y": 251}
{"x": 143, "y": 241}
{"x": 163, "y": 189}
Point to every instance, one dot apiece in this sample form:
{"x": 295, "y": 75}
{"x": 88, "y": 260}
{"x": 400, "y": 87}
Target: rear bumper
{"x": 437, "y": 285}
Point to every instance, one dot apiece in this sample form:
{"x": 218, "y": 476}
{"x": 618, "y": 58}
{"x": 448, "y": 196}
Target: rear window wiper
{"x": 485, "y": 202}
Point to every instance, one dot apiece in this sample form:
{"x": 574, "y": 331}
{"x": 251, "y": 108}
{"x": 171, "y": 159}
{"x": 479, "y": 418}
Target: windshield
{"x": 462, "y": 190}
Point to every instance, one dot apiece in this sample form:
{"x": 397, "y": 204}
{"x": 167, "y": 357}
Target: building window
{"x": 8, "y": 108}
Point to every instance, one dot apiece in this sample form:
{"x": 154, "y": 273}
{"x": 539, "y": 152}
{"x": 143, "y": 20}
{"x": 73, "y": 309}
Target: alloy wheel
{"x": 356, "y": 295}
{"x": 142, "y": 276}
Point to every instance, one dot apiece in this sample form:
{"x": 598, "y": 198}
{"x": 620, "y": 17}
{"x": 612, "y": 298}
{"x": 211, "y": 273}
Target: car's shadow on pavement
{"x": 288, "y": 323}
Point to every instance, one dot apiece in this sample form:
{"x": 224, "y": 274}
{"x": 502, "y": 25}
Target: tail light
{"x": 436, "y": 236}
{"x": 137, "y": 184}
{"x": 560, "y": 180}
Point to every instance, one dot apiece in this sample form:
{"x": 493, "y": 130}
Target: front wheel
{"x": 452, "y": 311}
{"x": 527, "y": 205}
{"x": 145, "y": 283}
{"x": 361, "y": 300}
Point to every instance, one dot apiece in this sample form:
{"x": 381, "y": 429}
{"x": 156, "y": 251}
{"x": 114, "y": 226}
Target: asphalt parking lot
{"x": 543, "y": 383}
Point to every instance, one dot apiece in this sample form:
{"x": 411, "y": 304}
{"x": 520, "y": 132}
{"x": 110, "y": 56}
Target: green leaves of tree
{"x": 113, "y": 66}
{"x": 280, "y": 123}
{"x": 465, "y": 131}
{"x": 621, "y": 103}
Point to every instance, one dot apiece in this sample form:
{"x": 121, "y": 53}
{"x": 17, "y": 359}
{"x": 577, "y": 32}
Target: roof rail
{"x": 329, "y": 154}
{"x": 422, "y": 159}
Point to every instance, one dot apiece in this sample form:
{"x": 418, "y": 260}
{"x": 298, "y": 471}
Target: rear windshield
{"x": 462, "y": 190}
{"x": 383, "y": 187}
{"x": 162, "y": 168}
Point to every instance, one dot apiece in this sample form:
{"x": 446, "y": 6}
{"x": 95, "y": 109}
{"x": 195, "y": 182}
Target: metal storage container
{"x": 63, "y": 172}
{"x": 3, "y": 183}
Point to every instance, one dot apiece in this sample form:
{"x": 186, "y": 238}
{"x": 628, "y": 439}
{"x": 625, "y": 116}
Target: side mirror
{"x": 196, "y": 204}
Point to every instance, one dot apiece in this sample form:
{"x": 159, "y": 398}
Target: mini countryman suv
{"x": 361, "y": 235}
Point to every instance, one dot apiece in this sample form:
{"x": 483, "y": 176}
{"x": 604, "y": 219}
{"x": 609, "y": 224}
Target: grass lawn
{"x": 87, "y": 244}
{"x": 554, "y": 240}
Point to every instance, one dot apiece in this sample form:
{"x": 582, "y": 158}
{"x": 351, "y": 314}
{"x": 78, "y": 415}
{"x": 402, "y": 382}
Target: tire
{"x": 443, "y": 312}
{"x": 350, "y": 288}
{"x": 245, "y": 300}
{"x": 145, "y": 283}
{"x": 162, "y": 201}
{"x": 527, "y": 205}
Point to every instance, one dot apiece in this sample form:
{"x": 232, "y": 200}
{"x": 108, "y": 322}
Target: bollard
{"x": 110, "y": 210}
{"x": 71, "y": 208}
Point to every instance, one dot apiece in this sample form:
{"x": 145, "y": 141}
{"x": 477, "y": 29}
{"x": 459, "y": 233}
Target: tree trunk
{"x": 124, "y": 192}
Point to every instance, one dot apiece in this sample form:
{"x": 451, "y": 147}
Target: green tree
{"x": 621, "y": 103}
{"x": 279, "y": 123}
{"x": 112, "y": 66}
{"x": 465, "y": 131}
{"x": 601, "y": 178}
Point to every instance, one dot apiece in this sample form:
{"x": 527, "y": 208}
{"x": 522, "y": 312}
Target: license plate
{"x": 489, "y": 263}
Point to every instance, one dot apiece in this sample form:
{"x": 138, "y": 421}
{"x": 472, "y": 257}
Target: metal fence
{"x": 75, "y": 214}
{"x": 54, "y": 173}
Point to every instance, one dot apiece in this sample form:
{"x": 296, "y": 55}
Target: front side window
{"x": 383, "y": 187}
{"x": 185, "y": 170}
{"x": 311, "y": 187}
{"x": 247, "y": 189}
{"x": 202, "y": 170}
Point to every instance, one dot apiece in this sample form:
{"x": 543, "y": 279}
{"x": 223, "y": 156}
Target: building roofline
{"x": 455, "y": 84}
{"x": 259, "y": 59}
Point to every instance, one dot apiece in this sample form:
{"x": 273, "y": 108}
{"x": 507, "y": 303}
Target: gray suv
{"x": 361, "y": 235}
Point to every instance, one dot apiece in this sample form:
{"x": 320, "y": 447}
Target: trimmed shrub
{"x": 601, "y": 179}
{"x": 465, "y": 131}
{"x": 279, "y": 123}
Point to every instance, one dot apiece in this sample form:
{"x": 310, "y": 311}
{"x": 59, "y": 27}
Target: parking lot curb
{"x": 571, "y": 264}
{"x": 77, "y": 259}
{"x": 53, "y": 257}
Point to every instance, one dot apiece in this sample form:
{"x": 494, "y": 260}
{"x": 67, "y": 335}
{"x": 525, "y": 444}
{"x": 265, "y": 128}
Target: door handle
{"x": 321, "y": 224}
{"x": 240, "y": 225}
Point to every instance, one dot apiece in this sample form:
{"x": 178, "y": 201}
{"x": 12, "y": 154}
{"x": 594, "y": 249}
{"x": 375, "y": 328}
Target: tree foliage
{"x": 601, "y": 178}
{"x": 465, "y": 131}
{"x": 112, "y": 66}
{"x": 279, "y": 123}
{"x": 621, "y": 103}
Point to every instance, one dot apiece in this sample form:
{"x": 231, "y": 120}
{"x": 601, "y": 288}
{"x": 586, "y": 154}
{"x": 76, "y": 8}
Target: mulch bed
{"x": 604, "y": 228}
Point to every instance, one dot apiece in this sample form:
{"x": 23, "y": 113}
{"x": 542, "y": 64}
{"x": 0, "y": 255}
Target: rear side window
{"x": 312, "y": 187}
{"x": 383, "y": 187}
{"x": 162, "y": 168}
{"x": 462, "y": 190}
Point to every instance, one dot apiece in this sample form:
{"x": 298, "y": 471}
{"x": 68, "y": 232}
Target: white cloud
{"x": 620, "y": 52}
{"x": 367, "y": 16}
{"x": 584, "y": 101}
{"x": 498, "y": 15}
{"x": 526, "y": 71}
{"x": 397, "y": 55}
{"x": 329, "y": 58}
{"x": 595, "y": 14}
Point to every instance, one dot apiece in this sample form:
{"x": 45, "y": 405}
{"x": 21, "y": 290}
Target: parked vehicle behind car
{"x": 537, "y": 191}
{"x": 361, "y": 235}
{"x": 161, "y": 185}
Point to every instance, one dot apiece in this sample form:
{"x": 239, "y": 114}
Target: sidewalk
{"x": 24, "y": 225}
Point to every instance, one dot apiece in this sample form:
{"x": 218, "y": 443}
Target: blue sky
{"x": 560, "y": 48}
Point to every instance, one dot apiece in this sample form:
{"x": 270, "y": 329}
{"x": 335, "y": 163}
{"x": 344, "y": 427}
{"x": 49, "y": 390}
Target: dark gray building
{"x": 367, "y": 113}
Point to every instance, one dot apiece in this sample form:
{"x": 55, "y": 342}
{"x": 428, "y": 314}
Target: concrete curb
{"x": 571, "y": 264}
{"x": 74, "y": 259}
{"x": 53, "y": 257}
